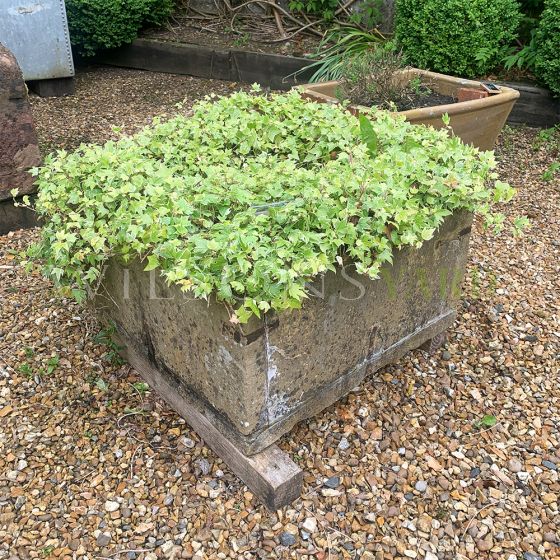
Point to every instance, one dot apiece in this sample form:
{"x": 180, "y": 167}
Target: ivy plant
{"x": 253, "y": 195}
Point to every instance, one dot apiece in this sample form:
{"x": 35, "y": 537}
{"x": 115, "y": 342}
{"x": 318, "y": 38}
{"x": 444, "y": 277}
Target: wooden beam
{"x": 271, "y": 475}
{"x": 238, "y": 65}
{"x": 535, "y": 107}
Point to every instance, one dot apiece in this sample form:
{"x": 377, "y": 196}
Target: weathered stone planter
{"x": 477, "y": 122}
{"x": 254, "y": 382}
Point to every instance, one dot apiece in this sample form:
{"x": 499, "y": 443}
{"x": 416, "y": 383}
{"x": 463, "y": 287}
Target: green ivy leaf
{"x": 369, "y": 136}
{"x": 153, "y": 263}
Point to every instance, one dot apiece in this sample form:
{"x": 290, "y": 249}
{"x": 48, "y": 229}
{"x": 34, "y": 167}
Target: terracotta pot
{"x": 477, "y": 122}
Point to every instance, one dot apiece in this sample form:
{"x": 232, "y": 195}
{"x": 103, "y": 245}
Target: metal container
{"x": 36, "y": 31}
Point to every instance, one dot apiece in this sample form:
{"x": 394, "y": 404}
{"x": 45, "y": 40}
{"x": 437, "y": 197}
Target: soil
{"x": 411, "y": 99}
{"x": 419, "y": 100}
{"x": 219, "y": 34}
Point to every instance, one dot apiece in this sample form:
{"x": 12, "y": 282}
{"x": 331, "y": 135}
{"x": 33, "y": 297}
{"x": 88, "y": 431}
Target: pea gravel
{"x": 93, "y": 466}
{"x": 107, "y": 98}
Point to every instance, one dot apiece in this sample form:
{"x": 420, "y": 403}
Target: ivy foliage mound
{"x": 254, "y": 195}
{"x": 463, "y": 38}
{"x": 95, "y": 25}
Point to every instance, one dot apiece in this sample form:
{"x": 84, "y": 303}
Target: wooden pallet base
{"x": 271, "y": 475}
{"x": 55, "y": 87}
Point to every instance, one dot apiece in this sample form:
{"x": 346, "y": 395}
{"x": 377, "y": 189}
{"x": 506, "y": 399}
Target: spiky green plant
{"x": 338, "y": 46}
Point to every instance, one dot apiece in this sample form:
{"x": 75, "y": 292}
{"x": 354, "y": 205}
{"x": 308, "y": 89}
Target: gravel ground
{"x": 93, "y": 467}
{"x": 109, "y": 97}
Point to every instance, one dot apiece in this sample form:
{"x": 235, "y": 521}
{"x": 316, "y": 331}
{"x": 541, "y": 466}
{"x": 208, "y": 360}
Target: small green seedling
{"x": 101, "y": 384}
{"x": 47, "y": 550}
{"x": 141, "y": 387}
{"x": 105, "y": 337}
{"x": 29, "y": 352}
{"x": 551, "y": 171}
{"x": 549, "y": 138}
{"x": 52, "y": 364}
{"x": 487, "y": 421}
{"x": 26, "y": 369}
{"x": 419, "y": 88}
{"x": 134, "y": 412}
{"x": 242, "y": 40}
{"x": 520, "y": 224}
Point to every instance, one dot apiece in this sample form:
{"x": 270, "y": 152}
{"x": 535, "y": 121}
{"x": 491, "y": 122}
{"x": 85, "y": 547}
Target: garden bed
{"x": 536, "y": 106}
{"x": 219, "y": 37}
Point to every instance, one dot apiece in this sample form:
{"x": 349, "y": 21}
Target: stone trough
{"x": 243, "y": 386}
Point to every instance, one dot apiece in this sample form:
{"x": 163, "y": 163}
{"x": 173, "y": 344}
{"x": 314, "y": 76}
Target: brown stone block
{"x": 19, "y": 150}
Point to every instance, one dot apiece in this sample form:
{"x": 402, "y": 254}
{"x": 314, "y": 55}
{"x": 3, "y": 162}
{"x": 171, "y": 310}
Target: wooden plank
{"x": 271, "y": 475}
{"x": 269, "y": 70}
{"x": 55, "y": 87}
{"x": 175, "y": 58}
{"x": 535, "y": 107}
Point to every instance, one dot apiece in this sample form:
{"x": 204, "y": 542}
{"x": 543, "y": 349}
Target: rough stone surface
{"x": 287, "y": 539}
{"x": 18, "y": 139}
{"x": 290, "y": 366}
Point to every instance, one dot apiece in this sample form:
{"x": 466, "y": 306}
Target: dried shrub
{"x": 372, "y": 78}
